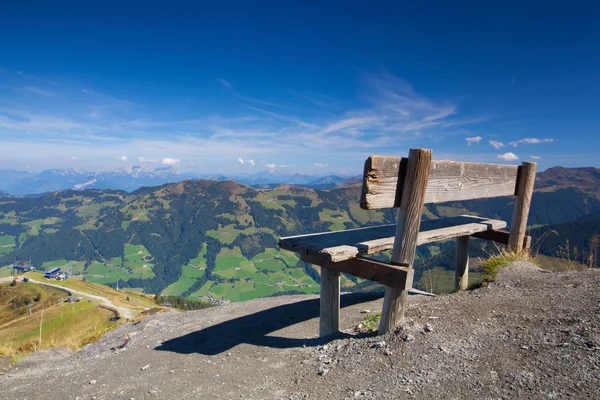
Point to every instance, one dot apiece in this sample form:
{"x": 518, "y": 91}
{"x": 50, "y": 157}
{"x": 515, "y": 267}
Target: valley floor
{"x": 531, "y": 334}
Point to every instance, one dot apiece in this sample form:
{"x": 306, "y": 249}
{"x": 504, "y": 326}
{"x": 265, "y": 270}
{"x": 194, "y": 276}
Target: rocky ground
{"x": 531, "y": 334}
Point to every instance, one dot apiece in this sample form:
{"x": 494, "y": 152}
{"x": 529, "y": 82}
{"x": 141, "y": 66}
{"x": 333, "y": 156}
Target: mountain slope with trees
{"x": 219, "y": 239}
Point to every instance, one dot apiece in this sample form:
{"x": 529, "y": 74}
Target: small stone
{"x": 427, "y": 328}
{"x": 145, "y": 367}
{"x": 365, "y": 311}
{"x": 525, "y": 347}
{"x": 323, "y": 371}
{"x": 228, "y": 354}
{"x": 172, "y": 371}
{"x": 379, "y": 345}
{"x": 93, "y": 382}
{"x": 153, "y": 391}
{"x": 387, "y": 352}
{"x": 408, "y": 337}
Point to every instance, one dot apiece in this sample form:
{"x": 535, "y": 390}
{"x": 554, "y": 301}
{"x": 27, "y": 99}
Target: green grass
{"x": 242, "y": 291}
{"x": 99, "y": 273}
{"x": 62, "y": 324}
{"x": 493, "y": 265}
{"x": 203, "y": 291}
{"x": 434, "y": 250}
{"x": 138, "y": 259}
{"x": 371, "y": 321}
{"x": 34, "y": 226}
{"x": 230, "y": 258}
{"x": 200, "y": 261}
{"x": 441, "y": 281}
{"x": 53, "y": 264}
{"x": 89, "y": 210}
{"x": 7, "y": 244}
{"x": 227, "y": 234}
{"x": 117, "y": 297}
{"x": 364, "y": 216}
{"x": 189, "y": 276}
{"x": 336, "y": 218}
{"x": 558, "y": 264}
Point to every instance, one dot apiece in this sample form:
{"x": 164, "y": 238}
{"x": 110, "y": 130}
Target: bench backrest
{"x": 383, "y": 181}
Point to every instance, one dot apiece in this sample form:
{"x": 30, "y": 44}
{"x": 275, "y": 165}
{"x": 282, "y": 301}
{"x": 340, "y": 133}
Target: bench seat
{"x": 344, "y": 245}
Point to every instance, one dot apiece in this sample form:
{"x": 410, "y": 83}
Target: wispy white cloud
{"x": 495, "y": 144}
{"x": 225, "y": 83}
{"x": 38, "y": 91}
{"x": 536, "y": 157}
{"x": 170, "y": 161}
{"x": 388, "y": 116}
{"x": 241, "y": 161}
{"x": 530, "y": 141}
{"x": 123, "y": 158}
{"x": 271, "y": 166}
{"x": 508, "y": 156}
{"x": 319, "y": 165}
{"x": 474, "y": 139}
{"x": 354, "y": 122}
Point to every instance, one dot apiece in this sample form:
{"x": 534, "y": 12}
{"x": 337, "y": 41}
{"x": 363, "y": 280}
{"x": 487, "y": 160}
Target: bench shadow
{"x": 254, "y": 328}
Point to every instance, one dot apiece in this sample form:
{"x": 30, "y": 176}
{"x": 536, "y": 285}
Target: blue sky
{"x": 312, "y": 87}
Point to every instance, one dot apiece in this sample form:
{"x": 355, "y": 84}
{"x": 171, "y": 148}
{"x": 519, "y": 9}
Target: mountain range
{"x": 23, "y": 183}
{"x": 199, "y": 238}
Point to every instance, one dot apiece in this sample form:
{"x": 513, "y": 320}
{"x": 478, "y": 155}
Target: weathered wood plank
{"x": 343, "y": 245}
{"x": 518, "y": 225}
{"x": 461, "y": 273}
{"x": 386, "y": 274}
{"x": 329, "y": 320}
{"x": 448, "y": 181}
{"x": 407, "y": 232}
{"x": 500, "y": 237}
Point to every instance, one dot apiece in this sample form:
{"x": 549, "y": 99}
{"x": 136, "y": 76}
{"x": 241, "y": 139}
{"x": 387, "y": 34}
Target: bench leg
{"x": 394, "y": 306}
{"x": 461, "y": 273}
{"x": 329, "y": 322}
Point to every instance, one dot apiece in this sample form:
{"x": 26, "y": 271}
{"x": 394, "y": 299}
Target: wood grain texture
{"x": 518, "y": 225}
{"x": 407, "y": 232}
{"x": 329, "y": 320}
{"x": 461, "y": 273}
{"x": 386, "y": 274}
{"x": 448, "y": 181}
{"x": 343, "y": 245}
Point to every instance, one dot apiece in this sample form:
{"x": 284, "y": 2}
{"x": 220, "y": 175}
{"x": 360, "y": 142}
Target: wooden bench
{"x": 408, "y": 184}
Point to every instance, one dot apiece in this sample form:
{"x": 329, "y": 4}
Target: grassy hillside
{"x": 53, "y": 322}
{"x": 219, "y": 239}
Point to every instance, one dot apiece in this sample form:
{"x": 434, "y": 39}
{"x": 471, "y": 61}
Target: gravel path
{"x": 123, "y": 312}
{"x": 531, "y": 334}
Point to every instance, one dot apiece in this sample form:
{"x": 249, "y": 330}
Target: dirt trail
{"x": 123, "y": 312}
{"x": 529, "y": 335}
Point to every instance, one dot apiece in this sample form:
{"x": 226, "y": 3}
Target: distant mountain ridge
{"x": 586, "y": 179}
{"x": 21, "y": 183}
